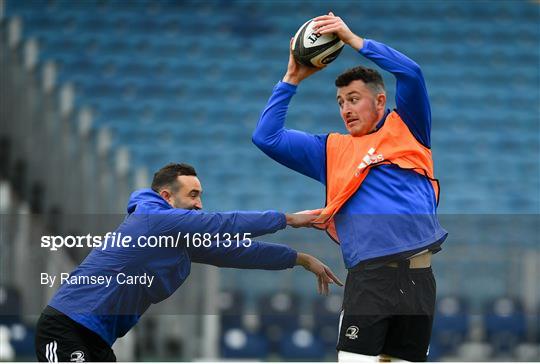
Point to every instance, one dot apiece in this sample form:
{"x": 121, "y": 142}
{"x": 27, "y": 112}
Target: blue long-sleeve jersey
{"x": 394, "y": 210}
{"x": 112, "y": 311}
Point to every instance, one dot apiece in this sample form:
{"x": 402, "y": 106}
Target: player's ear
{"x": 165, "y": 194}
{"x": 380, "y": 101}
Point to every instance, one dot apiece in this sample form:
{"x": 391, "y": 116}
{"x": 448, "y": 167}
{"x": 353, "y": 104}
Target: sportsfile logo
{"x": 368, "y": 159}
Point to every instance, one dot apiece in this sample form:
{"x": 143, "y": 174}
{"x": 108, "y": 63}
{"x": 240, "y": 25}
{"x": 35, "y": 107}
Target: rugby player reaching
{"x": 82, "y": 321}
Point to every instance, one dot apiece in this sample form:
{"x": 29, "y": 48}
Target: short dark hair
{"x": 371, "y": 78}
{"x": 167, "y": 176}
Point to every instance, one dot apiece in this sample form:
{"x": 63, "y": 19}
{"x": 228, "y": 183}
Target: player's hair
{"x": 371, "y": 78}
{"x": 167, "y": 176}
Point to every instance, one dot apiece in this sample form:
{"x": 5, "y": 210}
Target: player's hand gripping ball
{"x": 313, "y": 49}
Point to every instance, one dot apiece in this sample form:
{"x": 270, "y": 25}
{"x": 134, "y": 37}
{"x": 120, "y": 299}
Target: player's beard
{"x": 177, "y": 203}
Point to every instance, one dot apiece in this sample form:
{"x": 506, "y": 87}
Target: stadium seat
{"x": 450, "y": 326}
{"x": 301, "y": 344}
{"x": 240, "y": 344}
{"x": 505, "y": 324}
{"x": 23, "y": 340}
{"x": 279, "y": 313}
{"x": 326, "y": 312}
{"x": 231, "y": 307}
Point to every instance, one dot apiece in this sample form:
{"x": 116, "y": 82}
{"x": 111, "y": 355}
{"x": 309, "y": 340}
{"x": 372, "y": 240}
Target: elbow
{"x": 413, "y": 73}
{"x": 266, "y": 141}
{"x": 256, "y": 139}
{"x": 259, "y": 140}
{"x": 416, "y": 70}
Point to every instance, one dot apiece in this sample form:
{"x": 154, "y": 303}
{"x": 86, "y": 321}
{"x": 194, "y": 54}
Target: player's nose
{"x": 346, "y": 110}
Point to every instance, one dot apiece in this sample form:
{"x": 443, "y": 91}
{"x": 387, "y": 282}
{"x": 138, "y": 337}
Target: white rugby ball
{"x": 313, "y": 49}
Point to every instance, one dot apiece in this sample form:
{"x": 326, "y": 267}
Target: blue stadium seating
{"x": 326, "y": 312}
{"x": 23, "y": 340}
{"x": 505, "y": 324}
{"x": 231, "y": 307}
{"x": 301, "y": 345}
{"x": 451, "y": 325}
{"x": 240, "y": 344}
{"x": 279, "y": 314}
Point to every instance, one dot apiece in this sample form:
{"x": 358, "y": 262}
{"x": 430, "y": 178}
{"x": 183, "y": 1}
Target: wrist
{"x": 355, "y": 42}
{"x": 302, "y": 259}
{"x": 287, "y": 219}
{"x": 283, "y": 222}
{"x": 291, "y": 79}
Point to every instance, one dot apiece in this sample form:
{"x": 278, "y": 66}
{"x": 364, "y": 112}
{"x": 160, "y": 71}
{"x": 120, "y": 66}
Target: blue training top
{"x": 394, "y": 210}
{"x": 112, "y": 311}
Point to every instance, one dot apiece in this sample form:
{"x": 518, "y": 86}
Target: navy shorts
{"x": 388, "y": 311}
{"x": 60, "y": 339}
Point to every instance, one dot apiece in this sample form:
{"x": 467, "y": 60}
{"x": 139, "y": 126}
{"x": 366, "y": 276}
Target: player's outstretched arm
{"x": 255, "y": 223}
{"x": 262, "y": 255}
{"x": 244, "y": 254}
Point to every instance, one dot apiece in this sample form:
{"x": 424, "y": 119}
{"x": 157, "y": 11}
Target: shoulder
{"x": 337, "y": 142}
{"x": 400, "y": 128}
{"x": 394, "y": 120}
{"x": 337, "y": 138}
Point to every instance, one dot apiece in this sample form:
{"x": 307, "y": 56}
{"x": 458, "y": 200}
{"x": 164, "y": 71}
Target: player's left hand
{"x": 325, "y": 276}
{"x": 330, "y": 23}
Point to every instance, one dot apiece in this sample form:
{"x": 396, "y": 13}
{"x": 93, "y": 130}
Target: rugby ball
{"x": 313, "y": 49}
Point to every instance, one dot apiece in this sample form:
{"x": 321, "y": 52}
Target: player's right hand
{"x": 300, "y": 220}
{"x": 297, "y": 72}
